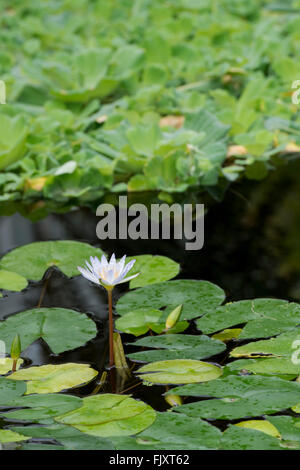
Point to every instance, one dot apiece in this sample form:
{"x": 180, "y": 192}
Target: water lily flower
{"x": 107, "y": 274}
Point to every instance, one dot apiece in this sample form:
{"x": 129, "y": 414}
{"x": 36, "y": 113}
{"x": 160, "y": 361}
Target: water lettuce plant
{"x": 144, "y": 96}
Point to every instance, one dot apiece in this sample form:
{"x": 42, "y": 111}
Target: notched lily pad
{"x": 54, "y": 377}
{"x": 197, "y": 298}
{"x": 110, "y": 415}
{"x": 174, "y": 346}
{"x": 63, "y": 329}
{"x": 31, "y": 261}
{"x": 263, "y": 317}
{"x": 179, "y": 371}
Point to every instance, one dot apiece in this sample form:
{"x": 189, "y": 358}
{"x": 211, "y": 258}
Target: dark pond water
{"x": 251, "y": 249}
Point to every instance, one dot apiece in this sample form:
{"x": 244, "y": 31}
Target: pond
{"x": 255, "y": 226}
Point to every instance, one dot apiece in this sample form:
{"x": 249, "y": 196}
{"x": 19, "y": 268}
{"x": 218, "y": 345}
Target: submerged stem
{"x": 111, "y": 329}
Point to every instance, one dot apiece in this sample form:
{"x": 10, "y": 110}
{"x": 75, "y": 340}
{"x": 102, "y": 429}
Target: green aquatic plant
{"x": 108, "y": 275}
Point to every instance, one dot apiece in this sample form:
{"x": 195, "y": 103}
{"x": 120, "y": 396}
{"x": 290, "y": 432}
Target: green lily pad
{"x": 172, "y": 431}
{"x": 69, "y": 437}
{"x": 236, "y": 397}
{"x": 139, "y": 321}
{"x": 281, "y": 346}
{"x": 179, "y": 371}
{"x": 281, "y": 366}
{"x": 12, "y": 281}
{"x": 42, "y": 408}
{"x": 197, "y": 298}
{"x": 110, "y": 415}
{"x": 61, "y": 328}
{"x": 31, "y": 261}
{"x": 10, "y": 391}
{"x": 54, "y": 377}
{"x": 10, "y": 436}
{"x": 152, "y": 269}
{"x": 6, "y": 364}
{"x": 176, "y": 347}
{"x": 288, "y": 428}
{"x": 263, "y": 317}
{"x": 238, "y": 438}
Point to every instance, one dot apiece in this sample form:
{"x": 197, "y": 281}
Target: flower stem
{"x": 111, "y": 329}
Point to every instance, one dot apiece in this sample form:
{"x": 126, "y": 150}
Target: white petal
{"x": 120, "y": 265}
{"x": 128, "y": 267}
{"x": 129, "y": 278}
{"x": 112, "y": 261}
{"x": 85, "y": 273}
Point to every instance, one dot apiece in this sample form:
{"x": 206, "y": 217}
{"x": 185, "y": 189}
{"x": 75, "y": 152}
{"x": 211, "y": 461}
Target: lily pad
{"x": 281, "y": 346}
{"x": 110, "y": 415}
{"x": 31, "y": 261}
{"x": 54, "y": 377}
{"x": 61, "y": 328}
{"x": 69, "y": 437}
{"x": 172, "y": 431}
{"x": 10, "y": 391}
{"x": 12, "y": 281}
{"x": 139, "y": 321}
{"x": 152, "y": 269}
{"x": 236, "y": 397}
{"x": 6, "y": 365}
{"x": 197, "y": 298}
{"x": 9, "y": 436}
{"x": 227, "y": 334}
{"x": 281, "y": 366}
{"x": 263, "y": 317}
{"x": 176, "y": 347}
{"x": 42, "y": 408}
{"x": 179, "y": 371}
{"x": 238, "y": 438}
{"x": 262, "y": 425}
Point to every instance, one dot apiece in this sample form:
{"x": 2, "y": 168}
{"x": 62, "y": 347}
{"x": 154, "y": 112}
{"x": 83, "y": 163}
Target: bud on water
{"x": 15, "y": 350}
{"x": 173, "y": 317}
{"x": 173, "y": 400}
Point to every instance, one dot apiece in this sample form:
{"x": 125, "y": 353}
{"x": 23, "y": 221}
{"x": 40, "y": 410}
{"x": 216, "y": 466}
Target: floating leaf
{"x": 238, "y": 438}
{"x": 227, "y": 334}
{"x": 179, "y": 371}
{"x": 139, "y": 321}
{"x": 110, "y": 415}
{"x": 282, "y": 366}
{"x": 69, "y": 437}
{"x": 197, "y": 298}
{"x": 152, "y": 269}
{"x": 61, "y": 328}
{"x": 42, "y": 408}
{"x": 176, "y": 347}
{"x": 6, "y": 365}
{"x": 263, "y": 317}
{"x": 237, "y": 397}
{"x": 260, "y": 425}
{"x": 10, "y": 391}
{"x": 31, "y": 261}
{"x": 12, "y": 139}
{"x": 281, "y": 346}
{"x": 172, "y": 431}
{"x": 9, "y": 436}
{"x": 12, "y": 281}
{"x": 54, "y": 377}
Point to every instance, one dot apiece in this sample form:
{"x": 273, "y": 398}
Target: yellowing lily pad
{"x": 110, "y": 415}
{"x": 227, "y": 334}
{"x": 6, "y": 364}
{"x": 260, "y": 425}
{"x": 179, "y": 371}
{"x": 54, "y": 377}
{"x": 10, "y": 436}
